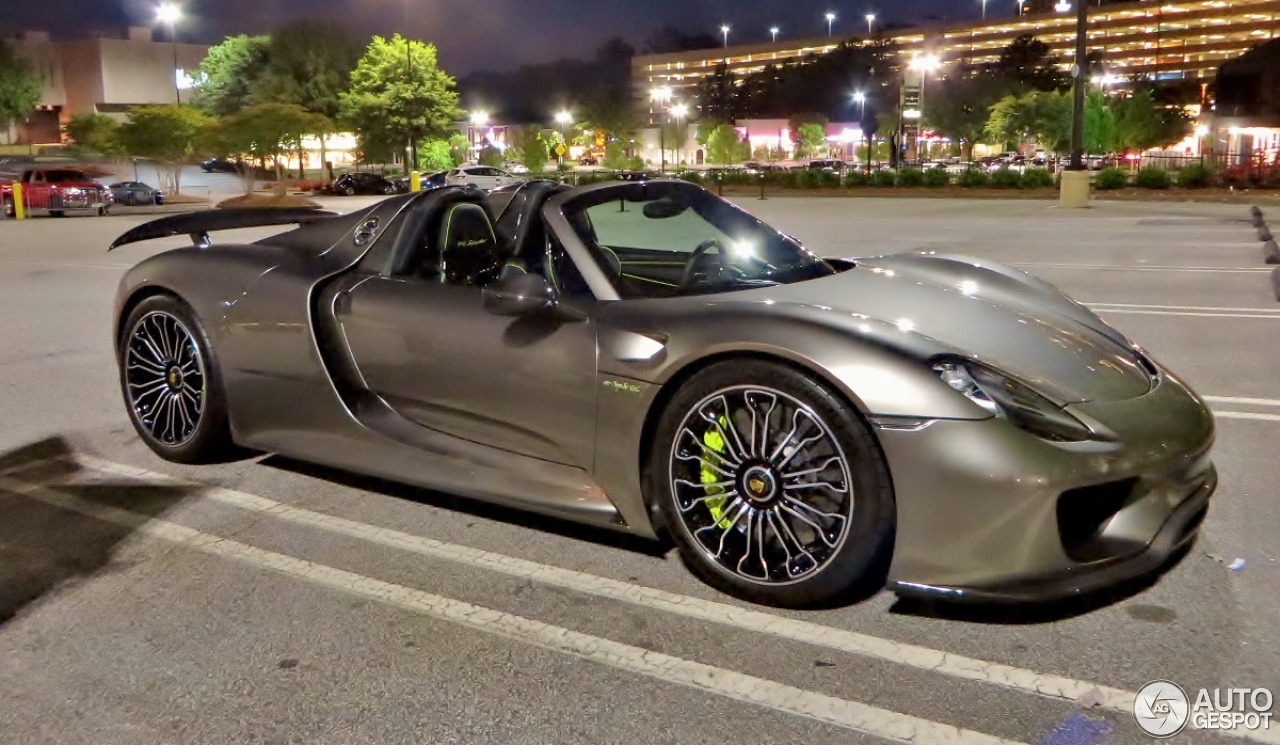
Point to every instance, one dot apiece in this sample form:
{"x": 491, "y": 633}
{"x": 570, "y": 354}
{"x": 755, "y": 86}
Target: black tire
{"x": 55, "y": 213}
{"x": 349, "y": 191}
{"x": 9, "y": 211}
{"x": 854, "y": 568}
{"x": 208, "y": 440}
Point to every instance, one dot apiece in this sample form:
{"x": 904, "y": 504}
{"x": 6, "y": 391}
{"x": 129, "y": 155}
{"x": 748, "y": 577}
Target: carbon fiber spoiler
{"x": 198, "y": 225}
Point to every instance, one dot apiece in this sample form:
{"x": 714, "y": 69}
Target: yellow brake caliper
{"x": 715, "y": 447}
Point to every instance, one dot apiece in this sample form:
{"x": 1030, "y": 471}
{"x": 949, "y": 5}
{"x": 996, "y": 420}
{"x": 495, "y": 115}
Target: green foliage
{"x": 810, "y": 140}
{"x": 435, "y": 155}
{"x": 855, "y": 177}
{"x": 491, "y": 156}
{"x": 96, "y": 133}
{"x": 1143, "y": 124}
{"x": 974, "y": 178}
{"x": 19, "y": 87}
{"x": 268, "y": 131}
{"x": 635, "y": 163}
{"x": 229, "y": 73}
{"x": 389, "y": 104}
{"x": 308, "y": 63}
{"x": 1037, "y": 178}
{"x": 458, "y": 148}
{"x": 1109, "y": 179}
{"x": 170, "y": 134}
{"x": 911, "y": 177}
{"x": 1195, "y": 176}
{"x": 883, "y": 177}
{"x": 1153, "y": 178}
{"x": 529, "y": 149}
{"x": 1006, "y": 178}
{"x": 723, "y": 145}
{"x": 1046, "y": 117}
{"x": 936, "y": 177}
{"x": 1029, "y": 63}
{"x": 960, "y": 107}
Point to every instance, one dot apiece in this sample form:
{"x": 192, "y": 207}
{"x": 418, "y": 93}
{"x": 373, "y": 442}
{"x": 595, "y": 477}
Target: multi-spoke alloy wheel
{"x": 774, "y": 488}
{"x": 762, "y": 484}
{"x": 164, "y": 378}
{"x": 170, "y": 382}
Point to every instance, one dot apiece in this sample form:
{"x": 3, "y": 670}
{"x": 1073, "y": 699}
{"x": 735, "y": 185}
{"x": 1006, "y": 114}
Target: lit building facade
{"x": 100, "y": 75}
{"x": 1165, "y": 40}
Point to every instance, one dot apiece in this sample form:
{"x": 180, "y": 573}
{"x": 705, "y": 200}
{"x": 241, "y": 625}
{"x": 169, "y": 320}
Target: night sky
{"x": 491, "y": 34}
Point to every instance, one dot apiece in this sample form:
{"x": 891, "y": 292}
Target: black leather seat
{"x": 469, "y": 249}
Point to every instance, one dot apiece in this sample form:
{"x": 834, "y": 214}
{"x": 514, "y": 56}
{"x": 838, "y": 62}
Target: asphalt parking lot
{"x": 268, "y": 601}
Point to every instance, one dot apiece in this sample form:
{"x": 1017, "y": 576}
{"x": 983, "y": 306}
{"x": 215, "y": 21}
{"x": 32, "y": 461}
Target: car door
{"x": 424, "y": 343}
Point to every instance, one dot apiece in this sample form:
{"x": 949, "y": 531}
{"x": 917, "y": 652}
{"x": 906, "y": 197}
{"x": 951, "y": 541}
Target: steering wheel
{"x": 691, "y": 266}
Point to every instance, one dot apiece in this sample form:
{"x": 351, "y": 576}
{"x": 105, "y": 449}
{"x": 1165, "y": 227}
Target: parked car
{"x": 350, "y": 184}
{"x": 485, "y": 177}
{"x": 429, "y": 181}
{"x": 827, "y": 164}
{"x": 588, "y": 160}
{"x": 55, "y": 192}
{"x": 135, "y": 193}
{"x": 804, "y": 428}
{"x": 221, "y": 165}
{"x": 517, "y": 168}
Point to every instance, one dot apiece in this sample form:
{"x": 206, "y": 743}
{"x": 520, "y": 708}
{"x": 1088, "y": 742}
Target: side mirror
{"x": 519, "y": 295}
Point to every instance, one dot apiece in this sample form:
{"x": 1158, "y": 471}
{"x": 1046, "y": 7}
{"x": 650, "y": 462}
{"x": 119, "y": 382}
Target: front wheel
{"x": 774, "y": 489}
{"x": 171, "y": 385}
{"x": 9, "y": 211}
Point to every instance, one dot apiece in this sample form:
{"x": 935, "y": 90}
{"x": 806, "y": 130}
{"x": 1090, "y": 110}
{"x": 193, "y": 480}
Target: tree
{"x": 459, "y": 147}
{"x": 309, "y": 64}
{"x": 1142, "y": 124}
{"x": 810, "y": 140}
{"x": 1029, "y": 62}
{"x": 19, "y": 88}
{"x": 170, "y": 134}
{"x": 615, "y": 157}
{"x": 1046, "y": 117}
{"x": 491, "y": 156}
{"x": 390, "y": 104}
{"x": 718, "y": 96}
{"x": 722, "y": 144}
{"x": 97, "y": 133}
{"x": 229, "y": 73}
{"x": 529, "y": 148}
{"x": 960, "y": 106}
{"x": 269, "y": 131}
{"x": 435, "y": 155}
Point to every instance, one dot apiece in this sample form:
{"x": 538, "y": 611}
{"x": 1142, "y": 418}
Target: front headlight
{"x": 1011, "y": 401}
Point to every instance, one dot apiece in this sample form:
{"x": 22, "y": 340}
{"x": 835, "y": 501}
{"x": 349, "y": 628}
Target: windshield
{"x": 55, "y": 177}
{"x": 668, "y": 239}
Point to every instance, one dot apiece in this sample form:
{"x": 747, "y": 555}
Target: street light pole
{"x": 831, "y": 18}
{"x": 662, "y": 96}
{"x": 724, "y": 30}
{"x": 871, "y": 19}
{"x": 1082, "y": 77}
{"x": 774, "y": 32}
{"x": 168, "y": 14}
{"x": 984, "y": 10}
{"x": 412, "y": 165}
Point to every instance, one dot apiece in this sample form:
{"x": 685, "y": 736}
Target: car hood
{"x": 988, "y": 313}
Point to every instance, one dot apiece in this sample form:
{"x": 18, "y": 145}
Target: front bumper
{"x": 989, "y": 513}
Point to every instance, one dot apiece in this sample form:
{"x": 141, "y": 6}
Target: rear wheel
{"x": 9, "y": 211}
{"x": 774, "y": 489}
{"x": 171, "y": 385}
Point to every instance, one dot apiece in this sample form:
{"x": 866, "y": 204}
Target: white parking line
{"x": 1242, "y": 401}
{"x": 1123, "y": 268}
{"x": 1212, "y": 308}
{"x": 1247, "y": 415}
{"x": 714, "y": 680}
{"x": 945, "y": 663}
{"x": 1183, "y": 314}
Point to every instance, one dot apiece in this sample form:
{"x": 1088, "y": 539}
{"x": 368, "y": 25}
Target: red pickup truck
{"x": 57, "y": 191}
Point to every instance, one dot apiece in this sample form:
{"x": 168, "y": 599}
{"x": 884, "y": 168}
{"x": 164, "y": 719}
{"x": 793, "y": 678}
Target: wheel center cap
{"x": 174, "y": 378}
{"x": 759, "y": 484}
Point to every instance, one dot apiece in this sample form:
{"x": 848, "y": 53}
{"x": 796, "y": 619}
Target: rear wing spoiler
{"x": 198, "y": 225}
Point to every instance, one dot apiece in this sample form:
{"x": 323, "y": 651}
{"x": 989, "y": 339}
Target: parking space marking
{"x": 1183, "y": 314}
{"x": 1131, "y": 268}
{"x": 1247, "y": 415}
{"x": 850, "y": 642}
{"x": 717, "y": 681}
{"x": 72, "y": 264}
{"x": 1242, "y": 401}
{"x": 1213, "y": 308}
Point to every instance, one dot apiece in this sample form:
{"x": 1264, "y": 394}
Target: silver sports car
{"x": 648, "y": 357}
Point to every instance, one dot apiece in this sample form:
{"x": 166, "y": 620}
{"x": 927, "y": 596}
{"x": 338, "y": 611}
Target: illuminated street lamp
{"x": 564, "y": 119}
{"x": 774, "y": 32}
{"x": 871, "y": 19}
{"x": 831, "y": 19}
{"x": 984, "y": 10}
{"x": 724, "y": 30}
{"x": 169, "y": 14}
{"x": 860, "y": 98}
{"x": 1022, "y": 6}
{"x": 679, "y": 112}
{"x": 662, "y": 97}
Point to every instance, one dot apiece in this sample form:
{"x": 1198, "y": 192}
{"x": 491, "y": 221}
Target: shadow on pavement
{"x": 43, "y": 547}
{"x": 1027, "y": 614}
{"x": 486, "y": 510}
